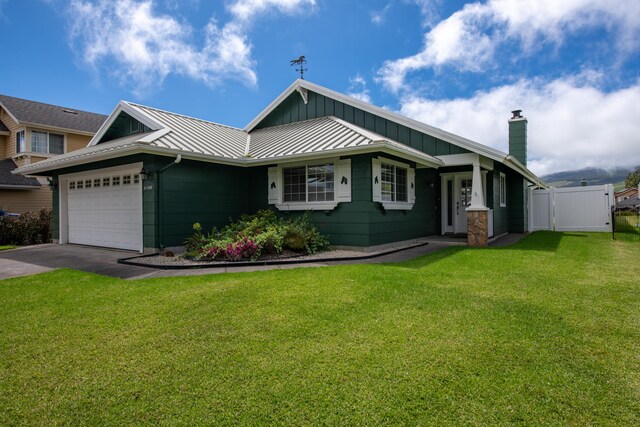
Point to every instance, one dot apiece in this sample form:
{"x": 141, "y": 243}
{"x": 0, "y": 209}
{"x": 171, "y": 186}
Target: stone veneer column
{"x": 477, "y": 227}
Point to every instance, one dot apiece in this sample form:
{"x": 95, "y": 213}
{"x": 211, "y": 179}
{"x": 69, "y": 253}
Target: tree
{"x": 633, "y": 179}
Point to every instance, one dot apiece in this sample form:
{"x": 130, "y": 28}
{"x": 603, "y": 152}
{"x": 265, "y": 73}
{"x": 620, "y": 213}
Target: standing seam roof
{"x": 196, "y": 135}
{"x": 323, "y": 134}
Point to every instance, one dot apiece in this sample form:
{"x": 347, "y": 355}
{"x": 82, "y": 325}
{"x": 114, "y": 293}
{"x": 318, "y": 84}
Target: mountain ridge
{"x": 594, "y": 176}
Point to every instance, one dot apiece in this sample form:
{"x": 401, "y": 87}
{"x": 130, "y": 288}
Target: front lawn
{"x": 543, "y": 332}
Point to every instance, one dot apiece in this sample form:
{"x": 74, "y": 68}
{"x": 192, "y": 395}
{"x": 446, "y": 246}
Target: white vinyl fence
{"x": 571, "y": 209}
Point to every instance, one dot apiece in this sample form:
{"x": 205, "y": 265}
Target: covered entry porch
{"x": 464, "y": 207}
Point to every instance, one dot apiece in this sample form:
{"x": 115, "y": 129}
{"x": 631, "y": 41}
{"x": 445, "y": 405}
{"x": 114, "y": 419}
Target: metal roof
{"x": 449, "y": 137}
{"x": 195, "y": 135}
{"x": 37, "y": 113}
{"x": 322, "y": 135}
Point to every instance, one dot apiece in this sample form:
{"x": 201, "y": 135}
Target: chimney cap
{"x": 516, "y": 114}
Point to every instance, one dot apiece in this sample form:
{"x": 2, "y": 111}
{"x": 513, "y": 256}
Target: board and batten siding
{"x": 293, "y": 109}
{"x": 207, "y": 193}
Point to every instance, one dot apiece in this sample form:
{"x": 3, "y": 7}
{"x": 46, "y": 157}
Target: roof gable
{"x": 24, "y": 111}
{"x": 434, "y": 141}
{"x": 304, "y": 87}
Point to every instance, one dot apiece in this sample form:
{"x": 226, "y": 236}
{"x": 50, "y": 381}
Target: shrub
{"x": 30, "y": 228}
{"x": 253, "y": 235}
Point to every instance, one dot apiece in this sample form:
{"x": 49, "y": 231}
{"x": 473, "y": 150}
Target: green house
{"x": 369, "y": 176}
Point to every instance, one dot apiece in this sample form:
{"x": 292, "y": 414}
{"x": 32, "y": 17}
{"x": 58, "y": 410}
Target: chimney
{"x": 518, "y": 136}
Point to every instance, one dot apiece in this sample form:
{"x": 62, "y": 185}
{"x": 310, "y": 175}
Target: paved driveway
{"x": 41, "y": 258}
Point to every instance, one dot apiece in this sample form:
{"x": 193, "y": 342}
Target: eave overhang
{"x": 127, "y": 149}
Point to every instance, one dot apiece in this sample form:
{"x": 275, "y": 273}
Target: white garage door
{"x": 105, "y": 209}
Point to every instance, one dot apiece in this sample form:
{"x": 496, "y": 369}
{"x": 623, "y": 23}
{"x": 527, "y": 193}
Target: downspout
{"x": 160, "y": 228}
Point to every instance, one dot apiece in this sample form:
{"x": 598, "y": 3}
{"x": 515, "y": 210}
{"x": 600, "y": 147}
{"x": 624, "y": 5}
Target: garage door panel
{"x": 105, "y": 215}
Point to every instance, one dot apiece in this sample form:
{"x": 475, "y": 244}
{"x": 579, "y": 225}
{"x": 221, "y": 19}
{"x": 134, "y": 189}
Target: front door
{"x": 463, "y": 201}
{"x": 456, "y": 195}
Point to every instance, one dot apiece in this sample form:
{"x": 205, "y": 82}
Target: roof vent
{"x": 70, "y": 111}
{"x": 516, "y": 114}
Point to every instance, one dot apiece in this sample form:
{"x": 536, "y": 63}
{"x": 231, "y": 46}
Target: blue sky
{"x": 571, "y": 65}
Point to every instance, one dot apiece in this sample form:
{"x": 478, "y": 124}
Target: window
{"x": 295, "y": 189}
{"x": 20, "y": 140}
{"x": 96, "y": 182}
{"x": 393, "y": 184}
{"x": 72, "y": 185}
{"x": 318, "y": 186}
{"x": 308, "y": 183}
{"x": 45, "y": 142}
{"x": 115, "y": 180}
{"x": 106, "y": 181}
{"x": 126, "y": 180}
{"x": 503, "y": 190}
{"x": 87, "y": 183}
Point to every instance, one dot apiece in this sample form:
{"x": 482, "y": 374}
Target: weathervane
{"x": 300, "y": 63}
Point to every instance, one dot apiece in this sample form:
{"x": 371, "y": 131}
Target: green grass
{"x": 7, "y": 247}
{"x": 543, "y": 332}
{"x": 627, "y": 226}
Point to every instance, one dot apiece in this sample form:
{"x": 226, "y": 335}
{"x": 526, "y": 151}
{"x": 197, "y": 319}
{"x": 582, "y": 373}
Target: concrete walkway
{"x": 41, "y": 258}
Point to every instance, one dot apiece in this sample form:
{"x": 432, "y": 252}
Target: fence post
{"x": 613, "y": 222}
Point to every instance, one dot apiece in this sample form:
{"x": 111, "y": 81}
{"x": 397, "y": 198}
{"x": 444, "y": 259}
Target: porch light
{"x": 144, "y": 175}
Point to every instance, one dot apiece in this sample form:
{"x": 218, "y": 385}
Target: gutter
{"x": 144, "y": 148}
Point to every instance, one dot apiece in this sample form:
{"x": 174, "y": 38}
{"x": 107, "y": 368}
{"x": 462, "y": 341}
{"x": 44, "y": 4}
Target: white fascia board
{"x": 514, "y": 164}
{"x": 467, "y": 159}
{"x": 388, "y": 147}
{"x": 264, "y": 113}
{"x": 394, "y": 117}
{"x": 133, "y": 111}
{"x": 9, "y": 113}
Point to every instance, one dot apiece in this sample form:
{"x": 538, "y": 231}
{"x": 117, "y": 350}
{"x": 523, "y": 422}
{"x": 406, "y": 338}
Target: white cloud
{"x": 358, "y": 89}
{"x": 141, "y": 47}
{"x": 468, "y": 39}
{"x": 572, "y": 123}
{"x": 246, "y": 10}
{"x": 379, "y": 16}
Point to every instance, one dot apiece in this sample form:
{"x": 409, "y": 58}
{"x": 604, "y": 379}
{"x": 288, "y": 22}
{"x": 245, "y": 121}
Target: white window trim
{"x": 24, "y": 142}
{"x": 64, "y": 142}
{"x": 396, "y": 206}
{"x": 341, "y": 191}
{"x": 502, "y": 190}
